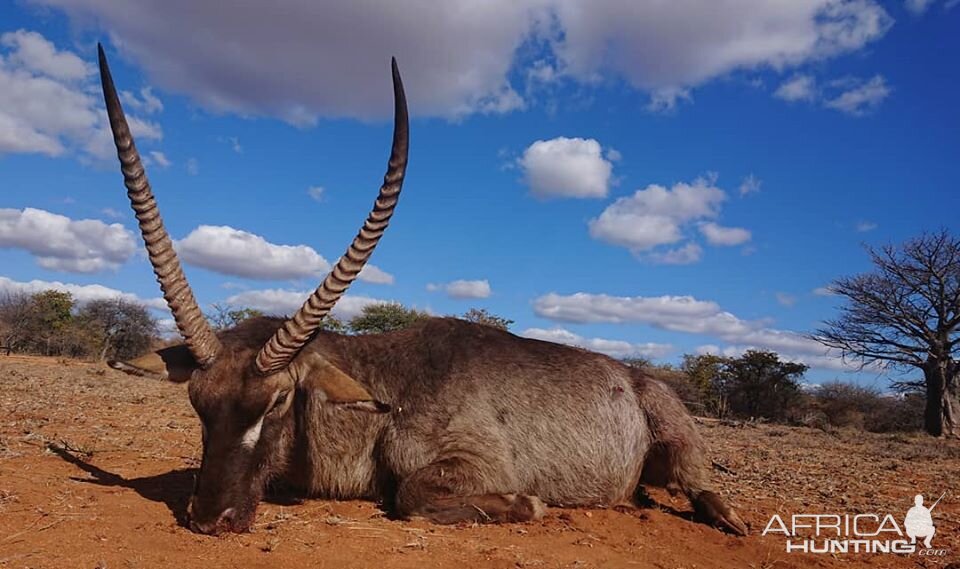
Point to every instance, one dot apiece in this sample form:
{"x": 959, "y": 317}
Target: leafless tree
{"x": 906, "y": 315}
{"x": 15, "y": 310}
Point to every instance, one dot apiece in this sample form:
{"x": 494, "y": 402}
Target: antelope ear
{"x": 339, "y": 388}
{"x": 174, "y": 363}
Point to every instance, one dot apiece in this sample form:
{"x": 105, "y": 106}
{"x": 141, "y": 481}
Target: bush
{"x": 50, "y": 323}
{"x": 852, "y": 406}
{"x": 481, "y": 316}
{"x": 385, "y": 317}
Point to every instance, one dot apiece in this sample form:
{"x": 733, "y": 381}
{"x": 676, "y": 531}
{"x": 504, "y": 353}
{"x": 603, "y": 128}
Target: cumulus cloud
{"x": 719, "y": 235}
{"x": 230, "y": 251}
{"x": 463, "y": 62}
{"x": 316, "y": 193}
{"x": 817, "y": 361}
{"x": 48, "y": 102}
{"x": 785, "y": 299}
{"x": 375, "y": 275}
{"x": 918, "y": 7}
{"x": 614, "y": 348}
{"x": 654, "y": 216}
{"x": 63, "y": 244}
{"x": 659, "y": 45}
{"x": 797, "y": 88}
{"x": 659, "y": 216}
{"x": 861, "y": 97}
{"x": 286, "y": 302}
{"x": 147, "y": 102}
{"x": 160, "y": 159}
{"x": 750, "y": 185}
{"x": 851, "y": 95}
{"x": 31, "y": 51}
{"x": 566, "y": 167}
{"x": 666, "y": 99}
{"x": 682, "y": 314}
{"x": 81, "y": 293}
{"x": 462, "y": 289}
{"x": 686, "y": 255}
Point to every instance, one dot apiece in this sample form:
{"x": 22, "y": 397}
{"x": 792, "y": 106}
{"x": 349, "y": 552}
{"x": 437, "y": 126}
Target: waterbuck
{"x": 447, "y": 420}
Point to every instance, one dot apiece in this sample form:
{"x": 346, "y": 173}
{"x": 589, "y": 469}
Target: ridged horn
{"x": 199, "y": 337}
{"x": 277, "y": 353}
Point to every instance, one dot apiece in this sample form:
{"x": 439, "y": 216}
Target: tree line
{"x": 901, "y": 317}
{"x": 52, "y": 323}
{"x": 759, "y": 386}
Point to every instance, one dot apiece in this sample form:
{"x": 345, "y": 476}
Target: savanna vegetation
{"x": 903, "y": 316}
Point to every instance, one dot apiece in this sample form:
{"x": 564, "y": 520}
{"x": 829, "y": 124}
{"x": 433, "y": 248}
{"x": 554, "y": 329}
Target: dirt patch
{"x": 96, "y": 468}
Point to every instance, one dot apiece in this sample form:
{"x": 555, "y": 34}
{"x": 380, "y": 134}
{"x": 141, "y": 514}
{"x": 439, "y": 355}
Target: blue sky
{"x": 640, "y": 179}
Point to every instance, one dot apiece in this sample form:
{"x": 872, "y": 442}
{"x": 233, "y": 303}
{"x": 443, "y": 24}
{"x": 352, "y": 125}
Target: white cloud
{"x": 566, "y": 167}
{"x": 375, "y": 275}
{"x": 918, "y": 6}
{"x": 462, "y": 62}
{"x": 825, "y": 361}
{"x": 686, "y": 255}
{"x": 31, "y": 51}
{"x": 681, "y": 44}
{"x": 160, "y": 159}
{"x": 234, "y": 143}
{"x": 230, "y": 251}
{"x": 785, "y": 299}
{"x": 665, "y": 99}
{"x": 193, "y": 166}
{"x": 286, "y": 302}
{"x": 824, "y": 291}
{"x": 725, "y": 236}
{"x": 462, "y": 289}
{"x": 798, "y": 88}
{"x": 750, "y": 185}
{"x": 62, "y": 244}
{"x": 316, "y": 193}
{"x": 81, "y": 293}
{"x": 112, "y": 213}
{"x": 147, "y": 103}
{"x": 683, "y": 314}
{"x": 865, "y": 226}
{"x": 657, "y": 216}
{"x": 851, "y": 95}
{"x": 862, "y": 97}
{"x": 614, "y": 348}
{"x": 49, "y": 102}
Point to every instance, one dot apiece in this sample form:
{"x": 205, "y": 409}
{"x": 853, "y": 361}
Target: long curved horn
{"x": 277, "y": 353}
{"x": 199, "y": 337}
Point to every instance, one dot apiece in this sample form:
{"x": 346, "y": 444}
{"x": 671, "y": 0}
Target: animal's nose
{"x": 226, "y": 517}
{"x": 223, "y": 522}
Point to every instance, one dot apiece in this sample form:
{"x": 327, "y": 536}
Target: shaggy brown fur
{"x": 465, "y": 423}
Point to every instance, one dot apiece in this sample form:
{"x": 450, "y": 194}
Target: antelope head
{"x": 242, "y": 382}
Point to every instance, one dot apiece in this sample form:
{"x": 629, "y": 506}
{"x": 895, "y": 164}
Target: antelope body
{"x": 448, "y": 420}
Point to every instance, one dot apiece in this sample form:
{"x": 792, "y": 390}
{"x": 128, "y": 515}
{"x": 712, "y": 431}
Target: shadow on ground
{"x": 171, "y": 488}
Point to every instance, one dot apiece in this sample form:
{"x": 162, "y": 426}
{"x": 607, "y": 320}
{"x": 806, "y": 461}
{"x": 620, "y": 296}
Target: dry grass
{"x": 95, "y": 467}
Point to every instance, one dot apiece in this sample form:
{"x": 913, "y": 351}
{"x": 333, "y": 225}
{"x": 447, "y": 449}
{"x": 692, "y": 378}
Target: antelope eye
{"x": 279, "y": 401}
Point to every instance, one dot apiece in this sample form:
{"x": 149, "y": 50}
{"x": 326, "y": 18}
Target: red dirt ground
{"x": 96, "y": 468}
